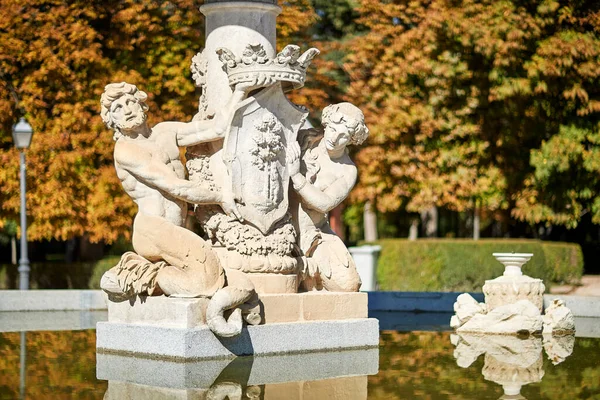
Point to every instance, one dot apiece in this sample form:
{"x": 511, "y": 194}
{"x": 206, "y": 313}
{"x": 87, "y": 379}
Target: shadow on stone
{"x": 240, "y": 345}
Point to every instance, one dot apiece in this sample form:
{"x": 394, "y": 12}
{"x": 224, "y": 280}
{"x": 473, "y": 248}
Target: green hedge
{"x": 100, "y": 268}
{"x": 59, "y": 275}
{"x": 464, "y": 265}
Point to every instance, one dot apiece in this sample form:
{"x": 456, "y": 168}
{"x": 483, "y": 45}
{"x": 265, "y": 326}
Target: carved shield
{"x": 255, "y": 153}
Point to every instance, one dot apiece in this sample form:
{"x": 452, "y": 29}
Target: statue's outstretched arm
{"x": 191, "y": 133}
{"x": 195, "y": 132}
{"x": 139, "y": 163}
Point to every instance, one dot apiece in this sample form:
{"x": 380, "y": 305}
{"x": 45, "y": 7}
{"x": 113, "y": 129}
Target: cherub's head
{"x": 123, "y": 107}
{"x": 344, "y": 124}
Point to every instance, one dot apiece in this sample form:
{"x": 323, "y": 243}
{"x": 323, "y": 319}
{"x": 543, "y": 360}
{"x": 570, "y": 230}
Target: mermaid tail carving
{"x": 238, "y": 292}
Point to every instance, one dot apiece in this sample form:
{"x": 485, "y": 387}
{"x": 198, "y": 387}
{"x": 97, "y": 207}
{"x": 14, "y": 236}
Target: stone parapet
{"x": 274, "y": 2}
{"x": 51, "y": 300}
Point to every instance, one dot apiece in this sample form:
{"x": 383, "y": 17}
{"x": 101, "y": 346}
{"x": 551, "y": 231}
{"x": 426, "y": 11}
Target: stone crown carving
{"x": 287, "y": 66}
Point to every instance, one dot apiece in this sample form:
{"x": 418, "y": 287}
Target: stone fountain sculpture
{"x": 513, "y": 305}
{"x": 259, "y": 182}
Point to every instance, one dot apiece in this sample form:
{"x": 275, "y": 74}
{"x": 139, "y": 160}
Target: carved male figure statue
{"x": 149, "y": 167}
{"x": 322, "y": 176}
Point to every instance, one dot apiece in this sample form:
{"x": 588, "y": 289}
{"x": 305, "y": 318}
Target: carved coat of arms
{"x": 255, "y": 153}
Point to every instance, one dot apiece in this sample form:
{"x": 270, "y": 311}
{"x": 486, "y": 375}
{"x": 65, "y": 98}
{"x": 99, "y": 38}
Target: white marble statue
{"x": 322, "y": 176}
{"x": 241, "y": 157}
{"x": 558, "y": 319}
{"x": 251, "y": 163}
{"x": 260, "y": 190}
{"x": 170, "y": 258}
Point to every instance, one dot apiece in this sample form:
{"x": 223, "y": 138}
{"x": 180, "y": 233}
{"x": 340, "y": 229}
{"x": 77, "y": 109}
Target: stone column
{"x": 234, "y": 25}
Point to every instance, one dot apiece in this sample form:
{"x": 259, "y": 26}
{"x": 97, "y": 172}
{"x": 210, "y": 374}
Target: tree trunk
{"x": 370, "y": 222}
{"x": 429, "y": 219}
{"x": 413, "y": 232}
{"x": 476, "y": 223}
{"x": 13, "y": 250}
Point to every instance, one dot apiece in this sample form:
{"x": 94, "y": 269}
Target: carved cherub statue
{"x": 170, "y": 259}
{"x": 322, "y": 176}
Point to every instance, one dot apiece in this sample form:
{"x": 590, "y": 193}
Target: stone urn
{"x": 513, "y": 285}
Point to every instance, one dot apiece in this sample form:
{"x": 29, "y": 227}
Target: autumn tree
{"x": 492, "y": 103}
{"x": 56, "y": 57}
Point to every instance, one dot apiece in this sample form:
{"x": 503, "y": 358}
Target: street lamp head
{"x": 22, "y": 134}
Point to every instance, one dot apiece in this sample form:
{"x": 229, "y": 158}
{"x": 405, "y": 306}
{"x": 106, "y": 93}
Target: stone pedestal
{"x": 513, "y": 286}
{"x": 365, "y": 258}
{"x": 508, "y": 290}
{"x": 169, "y": 328}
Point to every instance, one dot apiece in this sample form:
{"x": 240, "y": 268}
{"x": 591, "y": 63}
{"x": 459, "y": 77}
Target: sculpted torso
{"x": 170, "y": 259}
{"x": 159, "y": 149}
{"x": 335, "y": 179}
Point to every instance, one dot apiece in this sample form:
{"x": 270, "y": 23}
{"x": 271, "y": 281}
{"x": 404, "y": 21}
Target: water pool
{"x": 416, "y": 364}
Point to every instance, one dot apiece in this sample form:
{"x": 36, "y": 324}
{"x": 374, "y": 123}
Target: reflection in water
{"x": 22, "y": 365}
{"x": 331, "y": 375}
{"x": 412, "y": 365}
{"x": 558, "y": 348}
{"x": 510, "y": 361}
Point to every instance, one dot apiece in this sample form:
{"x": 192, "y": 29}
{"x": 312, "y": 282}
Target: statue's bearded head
{"x": 123, "y": 107}
{"x": 344, "y": 124}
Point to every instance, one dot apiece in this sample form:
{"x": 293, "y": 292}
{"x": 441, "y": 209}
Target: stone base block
{"x": 167, "y": 342}
{"x": 274, "y": 283}
{"x": 175, "y": 328}
{"x": 274, "y": 308}
{"x": 510, "y": 289}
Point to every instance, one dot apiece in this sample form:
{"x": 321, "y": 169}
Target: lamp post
{"x": 22, "y": 134}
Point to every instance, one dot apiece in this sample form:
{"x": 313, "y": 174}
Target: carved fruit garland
{"x": 266, "y": 151}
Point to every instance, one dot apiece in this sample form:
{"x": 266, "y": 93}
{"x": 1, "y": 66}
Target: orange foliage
{"x": 461, "y": 96}
{"x": 56, "y": 58}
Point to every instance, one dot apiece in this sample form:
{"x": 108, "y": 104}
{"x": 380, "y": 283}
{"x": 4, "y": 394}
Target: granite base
{"x": 169, "y": 328}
